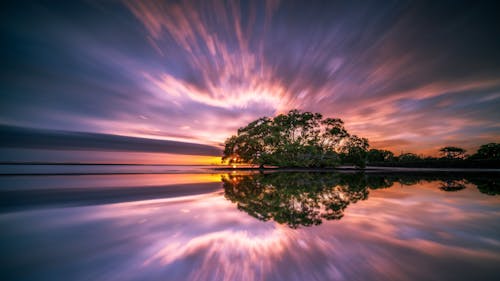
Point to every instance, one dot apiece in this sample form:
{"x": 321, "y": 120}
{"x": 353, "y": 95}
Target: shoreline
{"x": 118, "y": 169}
{"x": 367, "y": 169}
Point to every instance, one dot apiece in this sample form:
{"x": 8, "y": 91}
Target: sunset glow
{"x": 246, "y": 140}
{"x": 408, "y": 77}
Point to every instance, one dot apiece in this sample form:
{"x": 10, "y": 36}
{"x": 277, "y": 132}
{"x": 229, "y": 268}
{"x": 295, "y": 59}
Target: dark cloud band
{"x": 19, "y": 137}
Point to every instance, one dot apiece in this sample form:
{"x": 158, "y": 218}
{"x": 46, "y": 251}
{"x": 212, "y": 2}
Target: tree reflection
{"x": 298, "y": 199}
{"x": 452, "y": 185}
{"x": 306, "y": 199}
{"x": 487, "y": 185}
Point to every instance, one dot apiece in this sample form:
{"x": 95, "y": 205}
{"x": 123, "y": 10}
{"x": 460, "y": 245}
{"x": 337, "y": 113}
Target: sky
{"x": 411, "y": 76}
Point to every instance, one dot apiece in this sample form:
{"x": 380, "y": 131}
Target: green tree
{"x": 452, "y": 152}
{"x": 295, "y": 139}
{"x": 355, "y": 151}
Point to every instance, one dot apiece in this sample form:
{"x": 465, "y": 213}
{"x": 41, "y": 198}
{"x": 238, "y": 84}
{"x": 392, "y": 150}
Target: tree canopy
{"x": 452, "y": 152}
{"x": 490, "y": 151}
{"x": 380, "y": 155}
{"x": 306, "y": 139}
{"x": 295, "y": 139}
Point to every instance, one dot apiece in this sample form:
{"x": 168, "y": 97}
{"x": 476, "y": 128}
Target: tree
{"x": 295, "y": 139}
{"x": 380, "y": 155}
{"x": 452, "y": 152}
{"x": 490, "y": 151}
{"x": 408, "y": 157}
{"x": 355, "y": 151}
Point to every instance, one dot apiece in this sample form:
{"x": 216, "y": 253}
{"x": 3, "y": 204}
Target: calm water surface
{"x": 279, "y": 226}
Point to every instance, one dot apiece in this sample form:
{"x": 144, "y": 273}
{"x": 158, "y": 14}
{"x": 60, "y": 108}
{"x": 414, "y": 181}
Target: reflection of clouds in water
{"x": 393, "y": 235}
{"x": 227, "y": 255}
{"x": 417, "y": 229}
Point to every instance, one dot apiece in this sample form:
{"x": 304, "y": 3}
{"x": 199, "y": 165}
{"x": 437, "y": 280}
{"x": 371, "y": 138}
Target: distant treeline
{"x": 440, "y": 163}
{"x": 487, "y": 156}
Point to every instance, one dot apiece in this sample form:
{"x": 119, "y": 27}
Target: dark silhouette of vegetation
{"x": 355, "y": 151}
{"x": 488, "y": 185}
{"x": 490, "y": 151}
{"x": 452, "y": 152}
{"x": 408, "y": 157}
{"x": 488, "y": 156}
{"x": 452, "y": 185}
{"x": 295, "y": 139}
{"x": 306, "y": 199}
{"x": 379, "y": 155}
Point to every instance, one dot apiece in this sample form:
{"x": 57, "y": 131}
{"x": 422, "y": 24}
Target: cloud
{"x": 18, "y": 137}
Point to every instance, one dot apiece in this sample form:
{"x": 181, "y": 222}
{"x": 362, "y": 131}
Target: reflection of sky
{"x": 9, "y": 155}
{"x": 410, "y": 76}
{"x": 413, "y": 232}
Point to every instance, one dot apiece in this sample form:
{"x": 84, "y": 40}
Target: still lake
{"x": 202, "y": 224}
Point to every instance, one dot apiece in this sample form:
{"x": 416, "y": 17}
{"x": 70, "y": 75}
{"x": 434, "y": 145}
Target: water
{"x": 232, "y": 226}
{"x": 104, "y": 169}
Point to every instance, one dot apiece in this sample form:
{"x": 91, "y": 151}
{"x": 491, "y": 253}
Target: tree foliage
{"x": 452, "y": 152}
{"x": 489, "y": 151}
{"x": 355, "y": 151}
{"x": 295, "y": 139}
{"x": 380, "y": 155}
{"x": 306, "y": 139}
{"x": 409, "y": 157}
